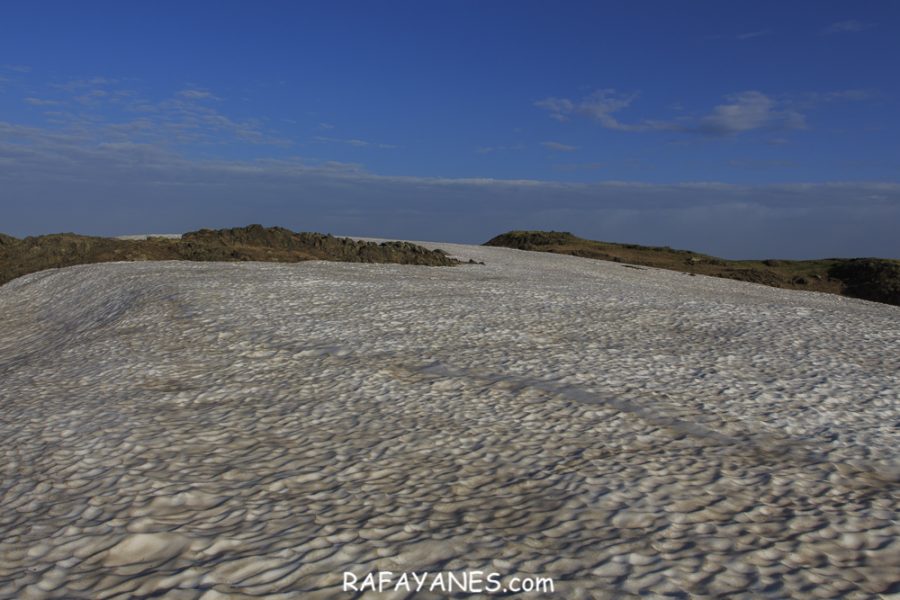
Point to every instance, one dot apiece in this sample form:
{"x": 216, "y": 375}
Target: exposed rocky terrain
{"x": 254, "y": 242}
{"x": 876, "y": 279}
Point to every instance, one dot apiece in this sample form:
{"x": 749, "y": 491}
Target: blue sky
{"x": 744, "y": 129}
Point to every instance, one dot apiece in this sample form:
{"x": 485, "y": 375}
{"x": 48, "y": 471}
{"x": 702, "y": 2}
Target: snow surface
{"x": 211, "y": 429}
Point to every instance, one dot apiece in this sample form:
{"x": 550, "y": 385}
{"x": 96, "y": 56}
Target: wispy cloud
{"x": 762, "y": 164}
{"x": 16, "y": 68}
{"x": 491, "y": 149}
{"x": 40, "y": 101}
{"x": 101, "y": 109}
{"x": 559, "y": 108}
{"x": 559, "y": 147}
{"x": 573, "y": 167}
{"x": 91, "y": 96}
{"x": 754, "y": 34}
{"x": 601, "y": 105}
{"x": 811, "y": 100}
{"x": 849, "y": 95}
{"x": 851, "y": 26}
{"x": 197, "y": 94}
{"x": 75, "y": 85}
{"x": 357, "y": 143}
{"x": 742, "y": 112}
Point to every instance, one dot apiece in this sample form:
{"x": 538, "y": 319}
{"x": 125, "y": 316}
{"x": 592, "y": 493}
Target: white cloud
{"x": 559, "y": 147}
{"x": 91, "y": 96}
{"x": 745, "y": 111}
{"x": 559, "y": 108}
{"x": 106, "y": 113}
{"x": 16, "y": 68}
{"x": 849, "y": 95}
{"x": 600, "y": 106}
{"x": 40, "y": 101}
{"x": 573, "y": 167}
{"x": 851, "y": 26}
{"x": 74, "y": 85}
{"x": 754, "y": 34}
{"x": 490, "y": 149}
{"x": 762, "y": 164}
{"x": 197, "y": 94}
{"x": 357, "y": 143}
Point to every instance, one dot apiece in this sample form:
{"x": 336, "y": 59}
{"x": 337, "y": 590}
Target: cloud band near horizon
{"x": 53, "y": 183}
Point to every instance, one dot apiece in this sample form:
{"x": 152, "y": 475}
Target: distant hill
{"x": 270, "y": 244}
{"x": 875, "y": 279}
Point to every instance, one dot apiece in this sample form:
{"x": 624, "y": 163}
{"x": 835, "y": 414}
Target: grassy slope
{"x": 868, "y": 278}
{"x": 273, "y": 244}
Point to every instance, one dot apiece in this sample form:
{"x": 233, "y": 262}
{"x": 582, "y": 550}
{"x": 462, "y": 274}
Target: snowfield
{"x": 212, "y": 430}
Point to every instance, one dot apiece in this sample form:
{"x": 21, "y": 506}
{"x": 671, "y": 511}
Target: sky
{"x": 741, "y": 129}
